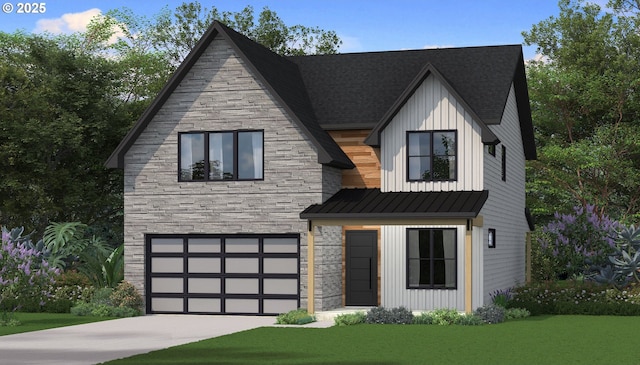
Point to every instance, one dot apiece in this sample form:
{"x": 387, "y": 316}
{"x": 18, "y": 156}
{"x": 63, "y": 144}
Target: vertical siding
{"x": 394, "y": 274}
{"x": 432, "y": 107}
{"x": 504, "y": 266}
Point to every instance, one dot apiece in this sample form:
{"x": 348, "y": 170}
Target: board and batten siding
{"x": 394, "y": 273}
{"x": 221, "y": 93}
{"x": 504, "y": 266}
{"x": 432, "y": 107}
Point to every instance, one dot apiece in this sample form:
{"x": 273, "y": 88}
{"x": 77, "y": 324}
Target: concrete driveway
{"x": 103, "y": 341}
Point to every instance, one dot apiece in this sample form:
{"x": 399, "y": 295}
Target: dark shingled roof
{"x": 364, "y": 90}
{"x": 372, "y": 203}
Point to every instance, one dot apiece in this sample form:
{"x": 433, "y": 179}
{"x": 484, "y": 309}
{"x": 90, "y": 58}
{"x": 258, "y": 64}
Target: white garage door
{"x": 223, "y": 274}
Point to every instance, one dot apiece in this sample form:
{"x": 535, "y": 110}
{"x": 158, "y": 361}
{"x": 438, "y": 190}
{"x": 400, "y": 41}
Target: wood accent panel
{"x": 344, "y": 258}
{"x": 366, "y": 174}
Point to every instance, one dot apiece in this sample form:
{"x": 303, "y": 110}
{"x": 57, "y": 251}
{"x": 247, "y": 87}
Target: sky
{"x": 363, "y": 25}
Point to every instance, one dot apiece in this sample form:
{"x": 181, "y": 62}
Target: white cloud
{"x": 67, "y": 23}
{"x": 436, "y": 46}
{"x": 350, "y": 44}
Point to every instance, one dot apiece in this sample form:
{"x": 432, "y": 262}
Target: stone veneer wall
{"x": 221, "y": 93}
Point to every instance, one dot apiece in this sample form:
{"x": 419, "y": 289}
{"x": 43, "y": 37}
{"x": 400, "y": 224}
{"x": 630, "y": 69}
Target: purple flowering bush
{"x": 572, "y": 245}
{"x": 25, "y": 275}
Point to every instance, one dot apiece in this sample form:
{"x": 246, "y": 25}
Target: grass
{"x": 536, "y": 340}
{"x": 41, "y": 321}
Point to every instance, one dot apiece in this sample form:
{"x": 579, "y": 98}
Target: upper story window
{"x": 431, "y": 156}
{"x": 212, "y": 156}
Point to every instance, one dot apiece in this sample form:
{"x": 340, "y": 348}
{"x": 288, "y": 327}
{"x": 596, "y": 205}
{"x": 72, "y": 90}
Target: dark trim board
{"x": 217, "y": 256}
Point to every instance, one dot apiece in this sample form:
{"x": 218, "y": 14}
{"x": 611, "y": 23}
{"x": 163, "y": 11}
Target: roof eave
{"x": 402, "y": 215}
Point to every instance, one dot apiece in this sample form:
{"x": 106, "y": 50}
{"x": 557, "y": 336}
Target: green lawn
{"x": 536, "y": 340}
{"x": 42, "y": 321}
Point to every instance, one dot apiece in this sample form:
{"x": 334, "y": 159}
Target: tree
{"x": 60, "y": 121}
{"x": 586, "y": 111}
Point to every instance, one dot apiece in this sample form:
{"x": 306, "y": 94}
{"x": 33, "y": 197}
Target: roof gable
{"x": 277, "y": 73}
{"x": 373, "y": 139}
{"x": 356, "y": 90}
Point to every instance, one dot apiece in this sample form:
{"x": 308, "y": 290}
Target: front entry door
{"x": 362, "y": 268}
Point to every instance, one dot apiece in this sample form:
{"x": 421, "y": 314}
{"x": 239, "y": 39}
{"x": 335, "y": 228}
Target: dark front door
{"x": 362, "y": 268}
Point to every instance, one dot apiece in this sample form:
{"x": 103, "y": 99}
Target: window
{"x": 431, "y": 156}
{"x": 504, "y": 163}
{"x": 431, "y": 258}
{"x": 491, "y": 238}
{"x": 235, "y": 155}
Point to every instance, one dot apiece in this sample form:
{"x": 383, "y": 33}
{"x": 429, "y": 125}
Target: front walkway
{"x": 109, "y": 340}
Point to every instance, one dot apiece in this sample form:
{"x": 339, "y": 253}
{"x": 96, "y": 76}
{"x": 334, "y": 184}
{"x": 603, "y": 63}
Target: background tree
{"x": 67, "y": 101}
{"x": 586, "y": 110}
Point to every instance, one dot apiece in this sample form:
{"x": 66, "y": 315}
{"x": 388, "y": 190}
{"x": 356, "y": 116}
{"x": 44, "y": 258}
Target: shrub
{"x": 573, "y": 243}
{"x": 516, "y": 313}
{"x": 349, "y": 319}
{"x": 103, "y": 310}
{"x": 469, "y": 320}
{"x": 577, "y": 298}
{"x": 102, "y": 296}
{"x": 400, "y": 315}
{"x": 491, "y": 313}
{"x": 423, "y": 318}
{"x": 126, "y": 295}
{"x": 501, "y": 297}
{"x": 296, "y": 316}
{"x": 444, "y": 317}
{"x": 25, "y": 275}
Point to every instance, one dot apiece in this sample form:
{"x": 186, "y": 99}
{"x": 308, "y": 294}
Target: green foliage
{"x": 296, "y": 316}
{"x": 516, "y": 313}
{"x": 381, "y": 315}
{"x": 103, "y": 267}
{"x": 575, "y": 297}
{"x": 584, "y": 104}
{"x": 423, "y": 318}
{"x": 469, "y": 320}
{"x": 350, "y": 319}
{"x": 25, "y": 276}
{"x": 127, "y": 296}
{"x": 491, "y": 313}
{"x": 124, "y": 301}
{"x": 8, "y": 319}
{"x": 445, "y": 316}
{"x": 501, "y": 297}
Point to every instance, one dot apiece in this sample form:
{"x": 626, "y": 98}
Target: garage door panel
{"x": 204, "y": 305}
{"x": 280, "y": 266}
{"x": 204, "y": 245}
{"x": 280, "y": 245}
{"x": 277, "y": 306}
{"x": 167, "y": 305}
{"x": 167, "y": 245}
{"x": 281, "y": 286}
{"x": 242, "y": 265}
{"x": 235, "y": 245}
{"x": 242, "y": 286}
{"x": 204, "y": 265}
{"x": 242, "y": 306}
{"x": 167, "y": 285}
{"x": 167, "y": 264}
{"x": 222, "y": 274}
{"x": 204, "y": 285}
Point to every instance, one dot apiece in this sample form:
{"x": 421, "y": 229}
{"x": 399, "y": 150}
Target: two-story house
{"x": 257, "y": 184}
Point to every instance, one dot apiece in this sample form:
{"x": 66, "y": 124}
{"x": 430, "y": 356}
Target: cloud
{"x": 350, "y": 44}
{"x": 436, "y": 46}
{"x": 67, "y": 23}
